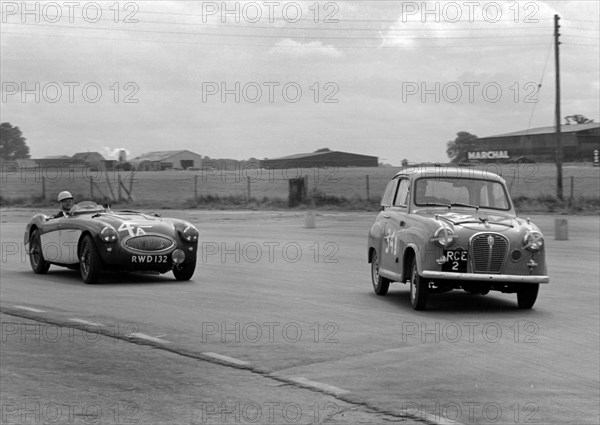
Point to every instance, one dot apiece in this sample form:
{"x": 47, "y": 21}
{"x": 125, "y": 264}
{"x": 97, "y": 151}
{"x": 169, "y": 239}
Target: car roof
{"x": 447, "y": 170}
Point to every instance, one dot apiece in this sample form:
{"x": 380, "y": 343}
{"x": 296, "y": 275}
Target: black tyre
{"x": 90, "y": 263}
{"x": 36, "y": 255}
{"x": 419, "y": 289}
{"x": 380, "y": 284}
{"x": 527, "y": 295}
{"x": 184, "y": 271}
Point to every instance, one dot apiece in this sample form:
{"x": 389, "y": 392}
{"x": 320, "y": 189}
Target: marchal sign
{"x": 488, "y": 155}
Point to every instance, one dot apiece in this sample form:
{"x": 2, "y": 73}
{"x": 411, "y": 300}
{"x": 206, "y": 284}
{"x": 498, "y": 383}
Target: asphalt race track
{"x": 281, "y": 320}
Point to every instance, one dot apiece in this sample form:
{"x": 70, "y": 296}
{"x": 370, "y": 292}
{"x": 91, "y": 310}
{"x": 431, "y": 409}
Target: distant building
{"x": 538, "y": 144}
{"x": 321, "y": 158}
{"x": 94, "y": 160}
{"x": 167, "y": 160}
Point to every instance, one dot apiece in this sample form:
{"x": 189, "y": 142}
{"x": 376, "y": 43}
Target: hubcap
{"x": 84, "y": 259}
{"x": 413, "y": 287}
{"x": 35, "y": 252}
{"x": 375, "y": 269}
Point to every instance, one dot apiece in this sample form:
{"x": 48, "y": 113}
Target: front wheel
{"x": 419, "y": 289}
{"x": 184, "y": 271}
{"x": 90, "y": 262}
{"x": 36, "y": 256}
{"x": 527, "y": 295}
{"x": 380, "y": 284}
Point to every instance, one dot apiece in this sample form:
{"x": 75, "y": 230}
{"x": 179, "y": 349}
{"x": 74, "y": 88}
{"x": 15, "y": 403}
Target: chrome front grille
{"x": 149, "y": 243}
{"x": 489, "y": 252}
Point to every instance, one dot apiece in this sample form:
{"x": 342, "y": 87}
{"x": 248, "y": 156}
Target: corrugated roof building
{"x": 167, "y": 160}
{"x": 320, "y": 159}
{"x": 538, "y": 144}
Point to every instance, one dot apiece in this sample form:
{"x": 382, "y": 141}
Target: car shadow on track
{"x": 458, "y": 301}
{"x": 72, "y": 277}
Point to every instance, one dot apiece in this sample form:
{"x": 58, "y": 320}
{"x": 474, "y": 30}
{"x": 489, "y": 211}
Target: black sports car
{"x": 93, "y": 238}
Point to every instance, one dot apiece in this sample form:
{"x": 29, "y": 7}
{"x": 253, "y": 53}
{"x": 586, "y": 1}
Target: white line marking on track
{"x": 35, "y": 310}
{"x": 226, "y": 359}
{"x": 319, "y": 385}
{"x": 148, "y": 338}
{"x": 85, "y": 322}
{"x": 439, "y": 420}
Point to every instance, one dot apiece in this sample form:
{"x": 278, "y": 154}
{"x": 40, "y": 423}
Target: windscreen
{"x": 468, "y": 192}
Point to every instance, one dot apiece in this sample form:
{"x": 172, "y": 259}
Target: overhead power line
{"x": 327, "y": 37}
{"x": 315, "y": 47}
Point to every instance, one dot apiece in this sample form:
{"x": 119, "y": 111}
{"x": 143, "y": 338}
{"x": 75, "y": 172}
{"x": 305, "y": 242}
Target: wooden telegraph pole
{"x": 558, "y": 145}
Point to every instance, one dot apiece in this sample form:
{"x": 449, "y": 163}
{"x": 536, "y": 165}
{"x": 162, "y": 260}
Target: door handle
{"x": 386, "y": 216}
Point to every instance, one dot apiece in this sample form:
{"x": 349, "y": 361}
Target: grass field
{"x": 331, "y": 184}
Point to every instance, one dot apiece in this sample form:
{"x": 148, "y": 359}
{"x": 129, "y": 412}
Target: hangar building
{"x": 537, "y": 144}
{"x": 167, "y": 160}
{"x": 321, "y": 158}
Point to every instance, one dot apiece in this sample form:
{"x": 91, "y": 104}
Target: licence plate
{"x": 149, "y": 259}
{"x": 456, "y": 260}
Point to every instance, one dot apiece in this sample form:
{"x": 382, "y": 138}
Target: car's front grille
{"x": 489, "y": 252}
{"x": 149, "y": 243}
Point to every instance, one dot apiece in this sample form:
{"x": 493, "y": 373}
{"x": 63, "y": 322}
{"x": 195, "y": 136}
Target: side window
{"x": 402, "y": 194}
{"x": 388, "y": 195}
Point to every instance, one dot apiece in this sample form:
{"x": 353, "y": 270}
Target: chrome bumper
{"x": 507, "y": 278}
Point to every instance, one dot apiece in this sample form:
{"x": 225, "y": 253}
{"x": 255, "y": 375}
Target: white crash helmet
{"x": 64, "y": 195}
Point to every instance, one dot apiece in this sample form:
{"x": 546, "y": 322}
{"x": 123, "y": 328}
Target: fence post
{"x": 572, "y": 189}
{"x": 119, "y": 186}
{"x": 92, "y": 188}
{"x": 43, "y": 187}
{"x": 195, "y": 187}
{"x": 368, "y": 189}
{"x": 248, "y": 180}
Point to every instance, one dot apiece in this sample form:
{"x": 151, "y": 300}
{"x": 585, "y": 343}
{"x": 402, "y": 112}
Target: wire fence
{"x": 178, "y": 186}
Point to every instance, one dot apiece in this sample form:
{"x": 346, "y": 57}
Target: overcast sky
{"x": 267, "y": 79}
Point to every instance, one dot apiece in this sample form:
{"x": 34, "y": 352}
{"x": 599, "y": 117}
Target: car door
{"x": 59, "y": 240}
{"x": 68, "y": 235}
{"x": 395, "y": 226}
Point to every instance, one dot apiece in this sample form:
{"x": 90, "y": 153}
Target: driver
{"x": 66, "y": 203}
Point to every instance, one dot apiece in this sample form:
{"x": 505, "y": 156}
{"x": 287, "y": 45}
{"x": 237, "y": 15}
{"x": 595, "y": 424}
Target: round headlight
{"x": 190, "y": 234}
{"x": 533, "y": 241}
{"x": 178, "y": 256}
{"x": 108, "y": 234}
{"x": 444, "y": 236}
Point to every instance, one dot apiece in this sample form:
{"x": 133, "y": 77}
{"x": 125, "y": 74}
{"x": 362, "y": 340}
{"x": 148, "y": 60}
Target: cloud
{"x": 313, "y": 48}
{"x": 434, "y": 23}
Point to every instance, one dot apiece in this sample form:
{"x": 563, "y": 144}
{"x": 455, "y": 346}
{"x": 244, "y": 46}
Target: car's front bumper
{"x": 481, "y": 277}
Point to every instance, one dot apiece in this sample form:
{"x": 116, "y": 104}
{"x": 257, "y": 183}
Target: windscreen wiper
{"x": 459, "y": 204}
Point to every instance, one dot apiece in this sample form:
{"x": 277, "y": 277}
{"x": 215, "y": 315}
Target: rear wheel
{"x": 527, "y": 295}
{"x": 90, "y": 262}
{"x": 380, "y": 284}
{"x": 184, "y": 271}
{"x": 419, "y": 289}
{"x": 36, "y": 255}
